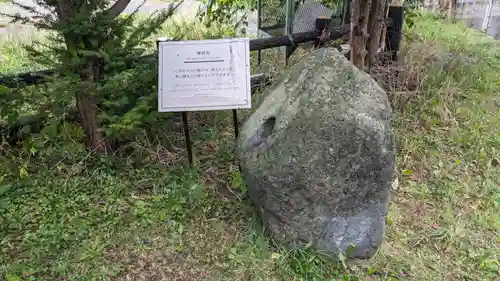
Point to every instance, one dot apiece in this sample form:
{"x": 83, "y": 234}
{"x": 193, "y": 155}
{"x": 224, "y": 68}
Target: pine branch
{"x": 36, "y": 18}
{"x": 141, "y": 34}
{"x": 32, "y": 9}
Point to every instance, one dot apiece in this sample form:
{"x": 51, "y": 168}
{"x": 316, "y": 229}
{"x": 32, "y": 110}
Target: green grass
{"x": 69, "y": 215}
{"x": 14, "y": 58}
{"x": 444, "y": 218}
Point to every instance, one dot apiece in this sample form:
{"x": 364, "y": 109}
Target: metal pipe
{"x": 487, "y": 16}
{"x": 39, "y": 77}
{"x": 187, "y": 139}
{"x": 259, "y": 26}
{"x": 289, "y": 28}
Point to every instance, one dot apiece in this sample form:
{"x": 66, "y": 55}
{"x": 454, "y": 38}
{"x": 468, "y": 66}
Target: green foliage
{"x": 237, "y": 182}
{"x": 127, "y": 98}
{"x": 67, "y": 214}
{"x": 229, "y": 12}
{"x": 93, "y": 48}
{"x": 412, "y": 15}
{"x": 310, "y": 266}
{"x": 61, "y": 205}
{"x": 414, "y": 3}
{"x": 448, "y": 76}
{"x": 129, "y": 101}
{"x": 332, "y": 3}
{"x": 91, "y": 33}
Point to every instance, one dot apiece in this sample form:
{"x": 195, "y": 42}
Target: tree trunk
{"x": 87, "y": 107}
{"x": 347, "y": 22}
{"x": 360, "y": 10}
{"x": 347, "y": 17}
{"x": 384, "y": 31}
{"x": 87, "y": 110}
{"x": 375, "y": 24}
{"x": 90, "y": 74}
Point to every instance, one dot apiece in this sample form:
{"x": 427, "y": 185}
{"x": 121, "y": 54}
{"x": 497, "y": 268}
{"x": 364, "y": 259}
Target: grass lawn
{"x": 69, "y": 215}
{"x": 444, "y": 220}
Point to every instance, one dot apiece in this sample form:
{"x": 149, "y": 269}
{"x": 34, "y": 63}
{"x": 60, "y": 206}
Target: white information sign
{"x": 204, "y": 75}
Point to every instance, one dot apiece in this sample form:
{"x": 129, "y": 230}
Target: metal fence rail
{"x": 38, "y": 77}
{"x": 317, "y": 23}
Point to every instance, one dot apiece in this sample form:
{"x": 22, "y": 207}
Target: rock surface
{"x": 318, "y": 157}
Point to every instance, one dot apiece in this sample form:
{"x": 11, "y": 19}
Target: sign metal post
{"x": 259, "y": 26}
{"x": 203, "y": 75}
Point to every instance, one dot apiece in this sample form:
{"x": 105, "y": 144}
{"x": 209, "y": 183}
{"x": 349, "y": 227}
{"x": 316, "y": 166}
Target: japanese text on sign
{"x": 204, "y": 75}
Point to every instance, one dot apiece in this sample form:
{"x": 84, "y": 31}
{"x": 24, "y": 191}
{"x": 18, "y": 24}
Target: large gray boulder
{"x": 318, "y": 157}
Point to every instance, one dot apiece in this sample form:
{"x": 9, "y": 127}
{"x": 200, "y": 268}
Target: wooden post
{"x": 360, "y": 10}
{"x": 375, "y": 25}
{"x": 452, "y": 9}
{"x": 384, "y": 31}
{"x": 395, "y": 30}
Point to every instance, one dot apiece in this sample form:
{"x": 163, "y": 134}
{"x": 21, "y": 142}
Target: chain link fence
{"x": 482, "y": 15}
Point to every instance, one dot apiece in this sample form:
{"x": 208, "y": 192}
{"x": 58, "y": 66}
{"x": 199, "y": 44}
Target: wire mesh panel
{"x": 337, "y": 7}
{"x": 304, "y": 13}
{"x": 305, "y": 18}
{"x": 273, "y": 15}
{"x": 483, "y": 15}
{"x": 282, "y": 17}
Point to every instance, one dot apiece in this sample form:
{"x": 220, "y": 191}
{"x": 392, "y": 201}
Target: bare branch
{"x": 139, "y": 7}
{"x": 117, "y": 8}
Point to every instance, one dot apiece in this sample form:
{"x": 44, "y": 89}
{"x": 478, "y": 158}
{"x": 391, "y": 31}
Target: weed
{"x": 447, "y": 136}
